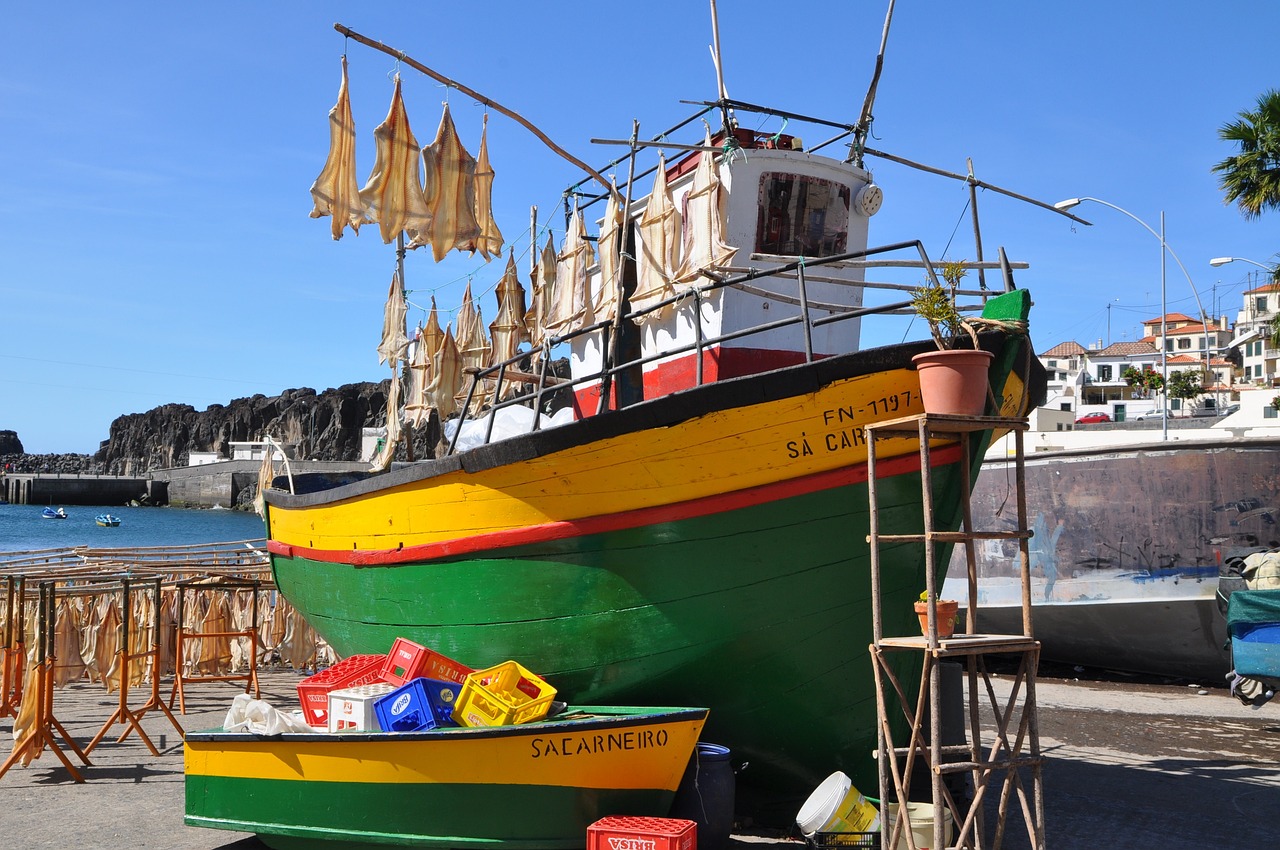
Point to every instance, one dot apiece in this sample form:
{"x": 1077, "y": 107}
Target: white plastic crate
{"x": 351, "y": 709}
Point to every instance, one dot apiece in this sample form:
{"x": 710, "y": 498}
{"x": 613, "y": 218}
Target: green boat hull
{"x": 763, "y": 614}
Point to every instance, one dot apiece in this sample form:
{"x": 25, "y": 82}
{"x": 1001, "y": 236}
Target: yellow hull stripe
{"x": 718, "y": 453}
{"x": 644, "y": 756}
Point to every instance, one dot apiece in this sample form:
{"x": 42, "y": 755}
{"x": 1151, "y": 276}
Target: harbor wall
{"x": 225, "y": 484}
{"x": 75, "y": 489}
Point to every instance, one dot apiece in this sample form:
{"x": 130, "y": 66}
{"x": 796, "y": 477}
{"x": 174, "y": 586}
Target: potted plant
{"x": 953, "y": 380}
{"x": 948, "y": 610}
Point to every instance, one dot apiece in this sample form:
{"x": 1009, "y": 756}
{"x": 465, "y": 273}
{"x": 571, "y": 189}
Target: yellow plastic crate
{"x": 502, "y": 696}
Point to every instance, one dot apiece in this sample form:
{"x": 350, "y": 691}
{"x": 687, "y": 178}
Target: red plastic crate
{"x": 620, "y": 832}
{"x": 408, "y": 660}
{"x": 313, "y": 691}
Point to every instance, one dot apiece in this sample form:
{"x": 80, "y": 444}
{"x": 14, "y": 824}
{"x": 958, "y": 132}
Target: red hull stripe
{"x": 618, "y": 522}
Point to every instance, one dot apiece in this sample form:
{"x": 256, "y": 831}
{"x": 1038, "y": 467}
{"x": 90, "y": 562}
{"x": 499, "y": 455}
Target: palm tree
{"x": 1251, "y": 178}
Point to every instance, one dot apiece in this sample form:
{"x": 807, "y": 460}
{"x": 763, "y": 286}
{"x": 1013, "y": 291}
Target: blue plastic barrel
{"x": 705, "y": 796}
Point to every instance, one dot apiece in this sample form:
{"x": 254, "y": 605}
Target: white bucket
{"x": 836, "y": 806}
{"x": 920, "y": 821}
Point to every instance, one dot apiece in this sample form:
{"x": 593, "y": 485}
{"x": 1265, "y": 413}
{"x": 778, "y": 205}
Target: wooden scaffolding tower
{"x": 1004, "y": 759}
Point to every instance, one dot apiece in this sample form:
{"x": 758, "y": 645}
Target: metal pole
{"x": 1164, "y": 338}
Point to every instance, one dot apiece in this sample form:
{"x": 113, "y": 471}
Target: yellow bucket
{"x": 836, "y": 806}
{"x": 920, "y": 822}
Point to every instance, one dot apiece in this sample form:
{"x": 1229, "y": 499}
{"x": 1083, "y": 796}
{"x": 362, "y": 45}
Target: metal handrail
{"x": 700, "y": 343}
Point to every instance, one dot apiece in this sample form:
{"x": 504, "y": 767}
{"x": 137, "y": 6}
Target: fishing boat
{"x": 1131, "y": 534}
{"x": 53, "y": 513}
{"x": 107, "y": 520}
{"x": 696, "y": 533}
{"x": 533, "y": 785}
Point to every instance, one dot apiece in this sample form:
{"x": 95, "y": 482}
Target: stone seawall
{"x": 228, "y": 484}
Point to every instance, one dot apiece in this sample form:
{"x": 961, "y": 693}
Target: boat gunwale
{"x": 611, "y": 717}
{"x": 651, "y": 414}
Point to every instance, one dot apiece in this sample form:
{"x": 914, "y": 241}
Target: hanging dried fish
{"x": 540, "y": 307}
{"x": 446, "y": 377}
{"x": 473, "y": 342}
{"x": 335, "y": 192}
{"x": 659, "y": 247}
{"x": 384, "y": 457}
{"x": 451, "y": 194}
{"x": 392, "y": 196}
{"x": 394, "y": 340}
{"x": 489, "y": 242}
{"x": 417, "y": 406}
{"x": 570, "y": 297}
{"x": 508, "y": 329}
{"x": 606, "y": 300}
{"x": 704, "y": 221}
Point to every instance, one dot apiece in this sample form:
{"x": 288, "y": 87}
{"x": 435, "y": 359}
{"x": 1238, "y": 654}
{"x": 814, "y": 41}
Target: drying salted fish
{"x": 659, "y": 247}
{"x": 489, "y": 241}
{"x": 24, "y": 724}
{"x": 446, "y": 376}
{"x": 704, "y": 221}
{"x": 451, "y": 193}
{"x": 335, "y": 192}
{"x": 606, "y": 300}
{"x": 473, "y": 342}
{"x": 68, "y": 666}
{"x": 570, "y": 296}
{"x": 392, "y": 196}
{"x": 417, "y": 407}
{"x": 508, "y": 330}
{"x": 388, "y": 451}
{"x": 394, "y": 340}
{"x": 543, "y": 284}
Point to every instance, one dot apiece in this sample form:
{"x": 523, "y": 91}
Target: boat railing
{"x": 503, "y": 375}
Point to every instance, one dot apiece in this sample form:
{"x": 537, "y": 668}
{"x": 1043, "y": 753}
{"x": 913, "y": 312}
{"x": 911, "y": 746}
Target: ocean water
{"x": 23, "y": 529}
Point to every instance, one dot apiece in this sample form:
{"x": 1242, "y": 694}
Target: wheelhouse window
{"x": 802, "y": 216}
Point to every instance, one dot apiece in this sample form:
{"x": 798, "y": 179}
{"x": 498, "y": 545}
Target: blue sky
{"x": 155, "y": 245}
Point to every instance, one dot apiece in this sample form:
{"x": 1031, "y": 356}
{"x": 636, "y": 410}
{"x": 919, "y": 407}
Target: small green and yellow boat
{"x": 534, "y": 785}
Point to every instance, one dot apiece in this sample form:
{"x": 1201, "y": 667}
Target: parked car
{"x": 1151, "y": 414}
{"x": 1092, "y": 418}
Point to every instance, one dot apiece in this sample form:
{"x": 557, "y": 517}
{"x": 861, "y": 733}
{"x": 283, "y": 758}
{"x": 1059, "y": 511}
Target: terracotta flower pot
{"x": 954, "y": 381}
{"x": 947, "y": 609}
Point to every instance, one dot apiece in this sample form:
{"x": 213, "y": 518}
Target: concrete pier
{"x": 224, "y": 484}
{"x": 75, "y": 489}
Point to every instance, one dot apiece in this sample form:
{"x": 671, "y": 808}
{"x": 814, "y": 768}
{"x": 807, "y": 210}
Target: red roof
{"x": 1065, "y": 349}
{"x": 1127, "y": 349}
{"x": 1269, "y": 287}
{"x": 1170, "y": 317}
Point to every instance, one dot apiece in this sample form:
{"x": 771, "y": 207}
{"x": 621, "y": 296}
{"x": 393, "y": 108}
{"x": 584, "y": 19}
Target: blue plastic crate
{"x": 1255, "y": 651}
{"x": 442, "y": 695}
{"x": 406, "y": 709}
{"x": 417, "y": 705}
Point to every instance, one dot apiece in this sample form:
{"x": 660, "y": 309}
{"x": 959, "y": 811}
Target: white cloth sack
{"x": 257, "y": 716}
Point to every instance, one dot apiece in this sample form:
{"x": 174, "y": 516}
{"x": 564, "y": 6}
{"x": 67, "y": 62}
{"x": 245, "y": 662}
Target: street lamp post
{"x": 1271, "y": 270}
{"x": 1222, "y": 261}
{"x": 1164, "y": 312}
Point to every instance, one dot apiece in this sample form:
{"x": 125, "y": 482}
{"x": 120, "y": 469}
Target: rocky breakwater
{"x": 13, "y": 458}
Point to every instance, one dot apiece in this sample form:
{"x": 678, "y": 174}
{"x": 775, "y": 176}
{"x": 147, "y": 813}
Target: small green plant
{"x": 936, "y": 304}
{"x": 1275, "y": 402}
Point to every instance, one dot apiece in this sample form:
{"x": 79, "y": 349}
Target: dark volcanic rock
{"x": 10, "y": 444}
{"x": 315, "y": 426}
{"x": 66, "y": 464}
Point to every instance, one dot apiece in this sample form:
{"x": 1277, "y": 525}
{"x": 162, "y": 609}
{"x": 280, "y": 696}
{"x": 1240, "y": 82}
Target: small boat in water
{"x": 107, "y": 520}
{"x": 533, "y": 785}
{"x": 53, "y": 513}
